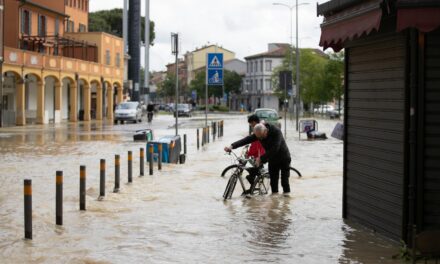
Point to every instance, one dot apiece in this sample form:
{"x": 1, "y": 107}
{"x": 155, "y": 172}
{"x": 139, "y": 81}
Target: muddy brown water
{"x": 178, "y": 215}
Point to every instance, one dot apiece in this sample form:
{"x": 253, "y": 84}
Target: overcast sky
{"x": 242, "y": 26}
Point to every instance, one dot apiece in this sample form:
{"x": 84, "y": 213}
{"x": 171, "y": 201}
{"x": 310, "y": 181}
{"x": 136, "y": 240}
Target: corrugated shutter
{"x": 432, "y": 133}
{"x": 375, "y": 134}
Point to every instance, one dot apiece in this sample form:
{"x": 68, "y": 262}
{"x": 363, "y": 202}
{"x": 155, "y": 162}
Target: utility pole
{"x": 298, "y": 91}
{"x": 175, "y": 51}
{"x": 147, "y": 47}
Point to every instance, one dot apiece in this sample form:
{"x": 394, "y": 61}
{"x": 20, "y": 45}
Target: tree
{"x": 110, "y": 21}
{"x": 311, "y": 75}
{"x": 321, "y": 76}
{"x": 168, "y": 87}
{"x": 334, "y": 75}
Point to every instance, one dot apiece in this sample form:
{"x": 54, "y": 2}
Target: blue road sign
{"x": 215, "y": 77}
{"x": 215, "y": 61}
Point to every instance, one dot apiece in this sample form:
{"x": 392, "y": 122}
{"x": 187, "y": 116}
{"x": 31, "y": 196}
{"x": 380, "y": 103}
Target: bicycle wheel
{"x": 230, "y": 187}
{"x": 260, "y": 185}
{"x": 227, "y": 169}
{"x": 296, "y": 171}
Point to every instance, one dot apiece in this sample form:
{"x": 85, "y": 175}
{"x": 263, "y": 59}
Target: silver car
{"x": 128, "y": 111}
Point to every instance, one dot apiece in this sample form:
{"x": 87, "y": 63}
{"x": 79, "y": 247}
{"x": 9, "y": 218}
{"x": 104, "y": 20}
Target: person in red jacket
{"x": 255, "y": 151}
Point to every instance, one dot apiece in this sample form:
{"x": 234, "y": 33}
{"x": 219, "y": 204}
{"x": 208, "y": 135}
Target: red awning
{"x": 350, "y": 23}
{"x": 423, "y": 18}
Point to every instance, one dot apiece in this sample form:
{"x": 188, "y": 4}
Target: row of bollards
{"x": 102, "y": 180}
{"x": 217, "y": 131}
{"x": 82, "y": 185}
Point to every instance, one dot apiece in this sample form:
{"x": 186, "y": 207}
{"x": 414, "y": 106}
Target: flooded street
{"x": 178, "y": 215}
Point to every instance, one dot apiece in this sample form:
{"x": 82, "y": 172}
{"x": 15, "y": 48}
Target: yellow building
{"x": 197, "y": 59}
{"x": 53, "y": 68}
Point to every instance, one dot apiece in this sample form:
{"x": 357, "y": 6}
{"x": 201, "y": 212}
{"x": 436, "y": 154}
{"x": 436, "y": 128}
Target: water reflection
{"x": 362, "y": 245}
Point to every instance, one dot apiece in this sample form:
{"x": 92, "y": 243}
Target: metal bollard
{"x": 141, "y": 162}
{"x": 151, "y": 150}
{"x": 184, "y": 144}
{"x": 117, "y": 173}
{"x": 213, "y": 131}
{"x": 159, "y": 158}
{"x": 198, "y": 140}
{"x": 130, "y": 167}
{"x": 59, "y": 198}
{"x": 101, "y": 179}
{"x": 82, "y": 188}
{"x": 207, "y": 133}
{"x": 27, "y": 209}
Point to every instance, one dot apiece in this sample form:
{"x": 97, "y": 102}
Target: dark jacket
{"x": 274, "y": 144}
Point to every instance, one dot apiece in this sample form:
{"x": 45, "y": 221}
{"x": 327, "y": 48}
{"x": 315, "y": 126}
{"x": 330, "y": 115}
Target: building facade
{"x": 257, "y": 88}
{"x": 54, "y": 69}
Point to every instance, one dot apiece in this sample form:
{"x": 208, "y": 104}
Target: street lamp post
{"x": 297, "y": 54}
{"x": 175, "y": 51}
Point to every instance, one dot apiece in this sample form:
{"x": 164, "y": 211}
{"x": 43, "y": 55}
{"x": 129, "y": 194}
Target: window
{"x": 42, "y": 25}
{"x": 107, "y": 57}
{"x": 57, "y": 26}
{"x": 268, "y": 65}
{"x": 247, "y": 67}
{"x": 81, "y": 28}
{"x": 261, "y": 81}
{"x": 70, "y": 26}
{"x": 268, "y": 85}
{"x": 86, "y": 8}
{"x": 256, "y": 66}
{"x": 118, "y": 60}
{"x": 261, "y": 66}
{"x": 26, "y": 22}
{"x": 74, "y": 3}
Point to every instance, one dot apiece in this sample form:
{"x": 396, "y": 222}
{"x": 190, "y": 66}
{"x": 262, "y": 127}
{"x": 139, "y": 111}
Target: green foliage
{"x": 321, "y": 77}
{"x": 404, "y": 252}
{"x": 168, "y": 87}
{"x": 232, "y": 84}
{"x": 110, "y": 21}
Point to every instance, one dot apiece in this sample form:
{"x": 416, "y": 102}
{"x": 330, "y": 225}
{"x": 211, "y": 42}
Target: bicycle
{"x": 260, "y": 184}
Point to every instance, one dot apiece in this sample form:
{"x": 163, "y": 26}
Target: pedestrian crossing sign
{"x": 215, "y": 61}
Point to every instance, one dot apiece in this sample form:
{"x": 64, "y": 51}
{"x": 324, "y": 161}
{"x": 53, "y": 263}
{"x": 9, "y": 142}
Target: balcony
{"x": 30, "y": 59}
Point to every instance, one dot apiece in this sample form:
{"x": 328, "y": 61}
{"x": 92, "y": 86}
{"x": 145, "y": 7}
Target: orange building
{"x": 54, "y": 69}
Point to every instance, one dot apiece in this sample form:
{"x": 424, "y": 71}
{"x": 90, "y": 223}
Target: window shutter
{"x": 45, "y": 26}
{"x": 39, "y": 25}
{"x": 22, "y": 21}
{"x": 30, "y": 23}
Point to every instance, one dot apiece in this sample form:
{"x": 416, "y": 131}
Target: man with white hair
{"x": 277, "y": 154}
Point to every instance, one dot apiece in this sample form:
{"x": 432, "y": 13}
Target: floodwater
{"x": 177, "y": 215}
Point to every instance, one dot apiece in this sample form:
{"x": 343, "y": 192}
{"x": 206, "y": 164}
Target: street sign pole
{"x": 214, "y": 76}
{"x": 206, "y": 92}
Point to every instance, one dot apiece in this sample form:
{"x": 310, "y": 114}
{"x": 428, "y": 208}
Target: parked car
{"x": 164, "y": 107}
{"x": 128, "y": 111}
{"x": 322, "y": 109}
{"x": 269, "y": 116}
{"x": 183, "y": 110}
{"x": 336, "y": 113}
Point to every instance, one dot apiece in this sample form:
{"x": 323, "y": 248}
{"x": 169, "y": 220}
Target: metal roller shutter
{"x": 374, "y": 151}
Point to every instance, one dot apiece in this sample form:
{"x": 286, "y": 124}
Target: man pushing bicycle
{"x": 277, "y": 154}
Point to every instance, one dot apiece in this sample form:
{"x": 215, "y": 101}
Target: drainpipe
{"x": 412, "y": 140}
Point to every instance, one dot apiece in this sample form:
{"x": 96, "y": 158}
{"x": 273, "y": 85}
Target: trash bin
{"x": 143, "y": 135}
{"x": 171, "y": 148}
